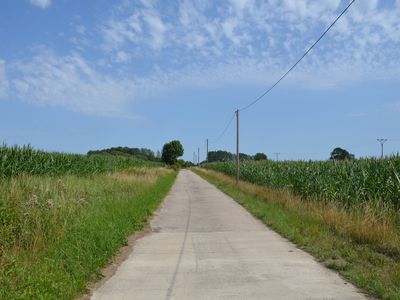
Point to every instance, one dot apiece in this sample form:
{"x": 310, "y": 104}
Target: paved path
{"x": 206, "y": 246}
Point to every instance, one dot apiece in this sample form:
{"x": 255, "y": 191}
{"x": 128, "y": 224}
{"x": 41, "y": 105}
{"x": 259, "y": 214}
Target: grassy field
{"x": 59, "y": 227}
{"x": 350, "y": 183}
{"x": 25, "y": 160}
{"x": 362, "y": 244}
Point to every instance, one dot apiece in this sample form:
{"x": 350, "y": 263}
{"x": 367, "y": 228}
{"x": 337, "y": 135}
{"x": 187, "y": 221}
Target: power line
{"x": 298, "y": 61}
{"x": 225, "y": 129}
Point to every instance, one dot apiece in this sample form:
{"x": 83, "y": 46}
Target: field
{"x": 62, "y": 217}
{"x": 362, "y": 244}
{"x": 349, "y": 183}
{"x": 345, "y": 213}
{"x": 25, "y": 160}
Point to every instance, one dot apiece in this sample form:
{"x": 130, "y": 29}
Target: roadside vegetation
{"x": 63, "y": 216}
{"x": 350, "y": 228}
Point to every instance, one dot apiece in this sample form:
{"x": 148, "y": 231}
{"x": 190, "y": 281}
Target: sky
{"x": 83, "y": 75}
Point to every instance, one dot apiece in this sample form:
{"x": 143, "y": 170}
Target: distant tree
{"x": 171, "y": 151}
{"x": 141, "y": 153}
{"x": 244, "y": 156}
{"x": 341, "y": 154}
{"x": 219, "y": 155}
{"x": 180, "y": 163}
{"x": 188, "y": 164}
{"x": 260, "y": 156}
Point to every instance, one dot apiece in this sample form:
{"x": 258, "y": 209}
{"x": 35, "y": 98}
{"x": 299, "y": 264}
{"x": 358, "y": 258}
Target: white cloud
{"x": 241, "y": 5}
{"x": 229, "y": 26}
{"x": 143, "y": 27}
{"x": 211, "y": 43}
{"x": 70, "y": 81}
{"x": 156, "y": 27}
{"x": 41, "y": 3}
{"x": 116, "y": 34}
{"x": 122, "y": 57}
{"x": 307, "y": 8}
{"x": 4, "y": 84}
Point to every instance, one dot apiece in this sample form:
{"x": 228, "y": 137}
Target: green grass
{"x": 350, "y": 182}
{"x": 56, "y": 233}
{"x": 16, "y": 160}
{"x": 327, "y": 232}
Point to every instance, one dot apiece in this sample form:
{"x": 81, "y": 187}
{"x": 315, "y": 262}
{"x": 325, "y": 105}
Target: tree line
{"x": 221, "y": 155}
{"x": 140, "y": 153}
{"x": 173, "y": 150}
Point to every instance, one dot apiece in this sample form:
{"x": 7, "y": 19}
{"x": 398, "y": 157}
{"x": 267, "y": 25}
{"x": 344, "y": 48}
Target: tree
{"x": 244, "y": 156}
{"x": 341, "y": 154}
{"x": 219, "y": 155}
{"x": 260, "y": 156}
{"x": 141, "y": 153}
{"x": 171, "y": 151}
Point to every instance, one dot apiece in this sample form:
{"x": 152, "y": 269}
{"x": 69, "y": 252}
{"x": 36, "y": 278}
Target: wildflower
{"x": 34, "y": 200}
{"x": 50, "y": 203}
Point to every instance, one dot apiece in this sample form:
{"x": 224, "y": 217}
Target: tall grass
{"x": 25, "y": 160}
{"x": 56, "y": 233}
{"x": 350, "y": 183}
{"x": 62, "y": 216}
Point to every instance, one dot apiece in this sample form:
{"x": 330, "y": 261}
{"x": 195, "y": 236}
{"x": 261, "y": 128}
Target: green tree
{"x": 244, "y": 156}
{"x": 141, "y": 153}
{"x": 219, "y": 155}
{"x": 171, "y": 151}
{"x": 341, "y": 154}
{"x": 260, "y": 156}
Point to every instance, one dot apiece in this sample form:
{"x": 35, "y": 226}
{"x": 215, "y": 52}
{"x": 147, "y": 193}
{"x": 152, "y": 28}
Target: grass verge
{"x": 363, "y": 249}
{"x": 57, "y": 233}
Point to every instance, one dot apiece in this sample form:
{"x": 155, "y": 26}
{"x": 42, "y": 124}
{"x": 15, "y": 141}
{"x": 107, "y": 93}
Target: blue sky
{"x": 80, "y": 75}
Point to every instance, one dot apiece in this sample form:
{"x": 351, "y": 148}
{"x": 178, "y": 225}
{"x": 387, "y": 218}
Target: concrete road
{"x": 204, "y": 245}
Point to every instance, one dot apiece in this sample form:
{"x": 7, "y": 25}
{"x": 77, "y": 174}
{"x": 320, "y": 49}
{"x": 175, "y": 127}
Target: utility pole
{"x": 382, "y": 141}
{"x": 237, "y": 147}
{"x": 194, "y": 158}
{"x": 277, "y": 155}
{"x": 207, "y": 150}
{"x": 198, "y": 156}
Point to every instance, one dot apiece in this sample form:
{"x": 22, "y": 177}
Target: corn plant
{"x": 349, "y": 182}
{"x": 25, "y": 160}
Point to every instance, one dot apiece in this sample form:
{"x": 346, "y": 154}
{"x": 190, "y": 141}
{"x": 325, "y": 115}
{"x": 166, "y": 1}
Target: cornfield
{"x": 351, "y": 182}
{"x": 25, "y": 160}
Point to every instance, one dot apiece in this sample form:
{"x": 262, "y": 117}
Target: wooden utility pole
{"x": 198, "y": 156}
{"x": 237, "y": 147}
